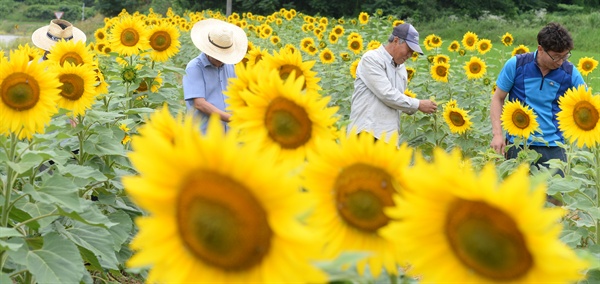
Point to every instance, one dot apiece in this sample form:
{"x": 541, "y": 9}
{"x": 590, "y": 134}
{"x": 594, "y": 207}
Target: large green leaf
{"x": 28, "y": 161}
{"x": 122, "y": 231}
{"x": 91, "y": 215}
{"x": 58, "y": 261}
{"x": 85, "y": 172}
{"x": 95, "y": 239}
{"x": 39, "y": 209}
{"x": 6, "y": 233}
{"x": 102, "y": 146}
{"x": 58, "y": 190}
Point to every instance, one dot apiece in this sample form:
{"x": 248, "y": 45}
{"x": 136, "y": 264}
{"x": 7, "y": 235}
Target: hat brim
{"x": 231, "y": 55}
{"x": 41, "y": 39}
{"x": 415, "y": 47}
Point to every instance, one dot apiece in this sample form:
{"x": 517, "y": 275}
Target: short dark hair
{"x": 555, "y": 37}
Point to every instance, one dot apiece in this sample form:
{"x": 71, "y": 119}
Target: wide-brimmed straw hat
{"x": 221, "y": 40}
{"x": 46, "y": 36}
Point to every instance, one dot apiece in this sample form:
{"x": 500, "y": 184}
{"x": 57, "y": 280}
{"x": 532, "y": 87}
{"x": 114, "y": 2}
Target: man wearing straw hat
{"x": 46, "y": 36}
{"x": 222, "y": 45}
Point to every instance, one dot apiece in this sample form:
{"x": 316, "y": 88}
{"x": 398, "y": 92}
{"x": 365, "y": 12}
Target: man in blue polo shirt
{"x": 538, "y": 80}
{"x": 222, "y": 45}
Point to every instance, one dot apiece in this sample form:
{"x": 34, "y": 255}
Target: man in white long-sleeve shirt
{"x": 381, "y": 79}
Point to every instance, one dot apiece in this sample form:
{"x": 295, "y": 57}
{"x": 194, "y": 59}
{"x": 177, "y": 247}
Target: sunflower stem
{"x": 80, "y": 136}
{"x": 6, "y": 191}
{"x": 597, "y": 179}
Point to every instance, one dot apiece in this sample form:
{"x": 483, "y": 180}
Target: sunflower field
{"x": 105, "y": 179}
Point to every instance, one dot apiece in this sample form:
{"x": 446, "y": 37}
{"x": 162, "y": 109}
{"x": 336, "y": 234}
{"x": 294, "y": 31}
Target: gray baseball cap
{"x": 408, "y": 33}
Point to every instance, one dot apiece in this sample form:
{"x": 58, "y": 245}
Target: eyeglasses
{"x": 564, "y": 58}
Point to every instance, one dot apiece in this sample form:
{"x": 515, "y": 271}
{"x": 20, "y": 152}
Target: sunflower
{"x": 164, "y": 41}
{"x": 355, "y": 45}
{"x": 78, "y": 91}
{"x": 129, "y": 36}
{"x": 374, "y": 44}
{"x": 410, "y": 93}
{"x": 312, "y": 50}
{"x": 338, "y": 30}
{"x": 327, "y": 56}
{"x": 254, "y": 56}
{"x": 579, "y": 118}
{"x": 288, "y": 63}
{"x": 586, "y": 65}
{"x": 288, "y": 48}
{"x": 74, "y": 52}
{"x": 476, "y": 229}
{"x": 414, "y": 56}
{"x": 454, "y": 46}
{"x": 507, "y": 39}
{"x": 306, "y": 42}
{"x": 439, "y": 72}
{"x": 352, "y": 182}
{"x": 34, "y": 53}
{"x": 283, "y": 117}
{"x": 363, "y": 18}
{"x": 209, "y": 218}
{"x": 519, "y": 120}
{"x": 265, "y": 31}
{"x": 101, "y": 34}
{"x": 345, "y": 56}
{"x": 457, "y": 118}
{"x": 427, "y": 42}
{"x": 484, "y": 45}
{"x": 353, "y": 67}
{"x": 28, "y": 95}
{"x": 441, "y": 58}
{"x": 410, "y": 73}
{"x": 435, "y": 41}
{"x": 333, "y": 38}
{"x": 397, "y": 23}
{"x": 475, "y": 68}
{"x": 354, "y": 35}
{"x": 246, "y": 75}
{"x": 462, "y": 52}
{"x": 469, "y": 41}
{"x": 520, "y": 50}
{"x": 275, "y": 40}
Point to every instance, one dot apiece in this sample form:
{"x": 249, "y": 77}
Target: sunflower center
{"x": 221, "y": 222}
{"x": 20, "y": 91}
{"x": 456, "y": 118}
{"x": 129, "y": 37}
{"x": 288, "y": 123}
{"x": 160, "y": 41}
{"x": 355, "y": 45}
{"x": 520, "y": 119}
{"x": 440, "y": 71}
{"x": 73, "y": 86}
{"x": 484, "y": 46}
{"x": 585, "y": 115}
{"x": 487, "y": 240}
{"x": 327, "y": 56}
{"x": 286, "y": 70}
{"x": 587, "y": 66}
{"x": 362, "y": 191}
{"x": 470, "y": 41}
{"x": 474, "y": 68}
{"x": 71, "y": 57}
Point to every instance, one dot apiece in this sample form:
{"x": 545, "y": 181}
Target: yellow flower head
{"x": 355, "y": 45}
{"x": 507, "y": 39}
{"x": 410, "y": 73}
{"x": 475, "y": 68}
{"x": 28, "y": 95}
{"x": 454, "y": 46}
{"x": 484, "y": 45}
{"x": 586, "y": 65}
{"x": 457, "y": 118}
{"x": 469, "y": 41}
{"x": 209, "y": 218}
{"x": 476, "y": 227}
{"x": 164, "y": 42}
{"x": 353, "y": 67}
{"x": 520, "y": 50}
{"x": 74, "y": 52}
{"x": 439, "y": 72}
{"x": 327, "y": 56}
{"x": 363, "y": 18}
{"x": 129, "y": 36}
{"x": 78, "y": 91}
{"x": 519, "y": 120}
{"x": 579, "y": 118}
{"x": 353, "y": 182}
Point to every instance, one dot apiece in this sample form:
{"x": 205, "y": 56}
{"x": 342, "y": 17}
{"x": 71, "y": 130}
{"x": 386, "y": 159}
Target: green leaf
{"x": 58, "y": 261}
{"x": 28, "y": 161}
{"x": 6, "y": 233}
{"x": 90, "y": 259}
{"x": 4, "y": 278}
{"x": 39, "y": 209}
{"x": 138, "y": 110}
{"x": 96, "y": 239}
{"x": 91, "y": 215}
{"x": 122, "y": 231}
{"x": 102, "y": 116}
{"x": 564, "y": 185}
{"x": 84, "y": 172}
{"x": 102, "y": 146}
{"x": 57, "y": 190}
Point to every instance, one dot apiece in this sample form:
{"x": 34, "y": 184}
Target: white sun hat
{"x": 46, "y": 36}
{"x": 221, "y": 40}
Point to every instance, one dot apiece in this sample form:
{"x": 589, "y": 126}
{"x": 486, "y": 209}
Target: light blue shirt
{"x": 204, "y": 80}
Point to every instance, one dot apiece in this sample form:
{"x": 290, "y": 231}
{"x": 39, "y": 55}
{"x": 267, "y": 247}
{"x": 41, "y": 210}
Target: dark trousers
{"x": 547, "y": 152}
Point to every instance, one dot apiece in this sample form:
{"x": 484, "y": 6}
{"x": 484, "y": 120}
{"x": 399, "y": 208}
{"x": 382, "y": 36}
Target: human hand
{"x": 498, "y": 144}
{"x": 427, "y": 106}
